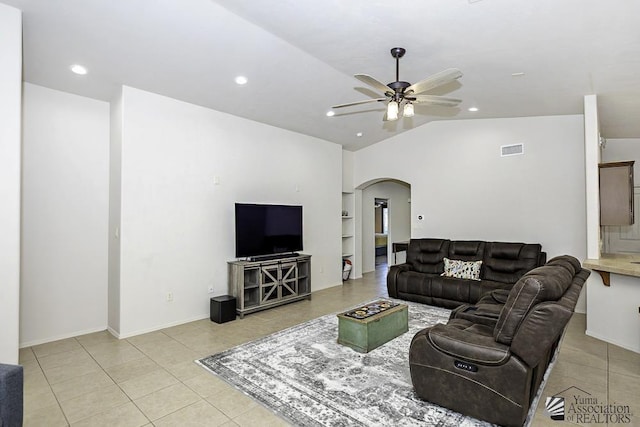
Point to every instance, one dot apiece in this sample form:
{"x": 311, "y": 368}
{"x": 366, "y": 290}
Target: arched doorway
{"x": 385, "y": 218}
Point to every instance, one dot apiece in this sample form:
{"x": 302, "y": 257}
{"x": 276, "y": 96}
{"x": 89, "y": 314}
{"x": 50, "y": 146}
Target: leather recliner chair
{"x": 490, "y": 367}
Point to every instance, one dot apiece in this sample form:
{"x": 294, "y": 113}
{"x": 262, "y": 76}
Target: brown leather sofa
{"x": 490, "y": 367}
{"x": 420, "y": 280}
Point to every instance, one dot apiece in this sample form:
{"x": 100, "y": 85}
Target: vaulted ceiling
{"x": 518, "y": 57}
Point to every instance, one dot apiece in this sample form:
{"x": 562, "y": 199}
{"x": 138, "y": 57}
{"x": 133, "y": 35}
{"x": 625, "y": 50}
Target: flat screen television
{"x": 267, "y": 229}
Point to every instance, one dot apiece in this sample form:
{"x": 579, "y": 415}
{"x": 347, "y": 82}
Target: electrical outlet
{"x": 169, "y": 296}
{"x": 210, "y": 289}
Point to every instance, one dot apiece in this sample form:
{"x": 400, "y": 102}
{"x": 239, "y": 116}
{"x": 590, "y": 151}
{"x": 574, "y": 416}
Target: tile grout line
{"x": 55, "y": 396}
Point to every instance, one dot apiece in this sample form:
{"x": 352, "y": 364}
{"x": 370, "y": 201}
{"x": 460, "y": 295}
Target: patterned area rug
{"x": 305, "y": 376}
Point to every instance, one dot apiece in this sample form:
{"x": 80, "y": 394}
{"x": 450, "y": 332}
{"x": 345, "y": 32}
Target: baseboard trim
{"x": 610, "y": 341}
{"x": 157, "y": 328}
{"x": 62, "y": 337}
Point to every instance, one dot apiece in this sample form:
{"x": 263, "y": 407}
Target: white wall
{"x": 65, "y": 215}
{"x": 612, "y": 311}
{"x": 465, "y": 190}
{"x": 347, "y": 170}
{"x": 399, "y": 218}
{"x": 177, "y": 224}
{"x": 592, "y": 175}
{"x": 10, "y": 107}
{"x": 115, "y": 196}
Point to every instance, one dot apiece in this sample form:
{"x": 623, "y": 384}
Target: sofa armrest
{"x": 468, "y": 344}
{"x": 392, "y": 277}
{"x": 497, "y": 296}
{"x": 540, "y": 329}
{"x": 482, "y": 314}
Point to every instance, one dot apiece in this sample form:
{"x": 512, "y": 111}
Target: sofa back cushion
{"x": 427, "y": 255}
{"x": 507, "y": 262}
{"x": 466, "y": 250}
{"x": 546, "y": 283}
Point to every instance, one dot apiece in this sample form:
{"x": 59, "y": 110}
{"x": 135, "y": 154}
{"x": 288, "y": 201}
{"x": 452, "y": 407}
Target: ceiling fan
{"x": 399, "y": 92}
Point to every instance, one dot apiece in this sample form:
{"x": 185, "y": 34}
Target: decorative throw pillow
{"x": 462, "y": 269}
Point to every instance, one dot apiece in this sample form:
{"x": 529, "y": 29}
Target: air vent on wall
{"x": 511, "y": 150}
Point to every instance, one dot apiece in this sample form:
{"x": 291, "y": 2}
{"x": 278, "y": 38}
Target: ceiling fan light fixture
{"x": 408, "y": 110}
{"x": 401, "y": 93}
{"x": 392, "y": 110}
{"x": 331, "y": 113}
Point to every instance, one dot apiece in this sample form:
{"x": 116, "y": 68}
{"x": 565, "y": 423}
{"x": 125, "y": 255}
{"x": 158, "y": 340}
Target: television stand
{"x": 267, "y": 283}
{"x": 270, "y": 257}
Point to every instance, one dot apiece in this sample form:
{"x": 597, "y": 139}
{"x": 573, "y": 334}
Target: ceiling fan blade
{"x": 431, "y": 82}
{"x": 374, "y": 83}
{"x": 435, "y": 100}
{"x": 349, "y": 104}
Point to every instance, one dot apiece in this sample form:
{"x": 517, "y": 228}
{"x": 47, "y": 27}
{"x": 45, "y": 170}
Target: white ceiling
{"x": 300, "y": 57}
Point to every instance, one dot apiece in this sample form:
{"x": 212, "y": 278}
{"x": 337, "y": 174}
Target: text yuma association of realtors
{"x": 588, "y": 410}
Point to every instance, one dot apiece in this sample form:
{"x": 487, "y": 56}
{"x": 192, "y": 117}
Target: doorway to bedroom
{"x": 381, "y": 231}
{"x": 385, "y": 220}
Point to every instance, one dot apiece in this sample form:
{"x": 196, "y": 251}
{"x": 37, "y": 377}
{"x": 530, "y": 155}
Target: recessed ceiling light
{"x": 331, "y": 113}
{"x": 518, "y": 74}
{"x": 359, "y": 134}
{"x": 241, "y": 80}
{"x": 473, "y": 109}
{"x": 79, "y": 69}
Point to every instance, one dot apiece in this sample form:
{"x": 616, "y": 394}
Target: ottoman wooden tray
{"x": 372, "y": 325}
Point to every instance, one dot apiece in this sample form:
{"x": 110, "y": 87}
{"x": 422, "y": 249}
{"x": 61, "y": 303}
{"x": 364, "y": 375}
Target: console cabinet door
{"x": 616, "y": 193}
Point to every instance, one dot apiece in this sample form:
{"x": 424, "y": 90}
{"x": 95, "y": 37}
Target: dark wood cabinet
{"x": 616, "y": 193}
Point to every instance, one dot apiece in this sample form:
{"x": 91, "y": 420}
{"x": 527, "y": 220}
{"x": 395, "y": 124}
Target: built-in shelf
{"x": 348, "y": 227}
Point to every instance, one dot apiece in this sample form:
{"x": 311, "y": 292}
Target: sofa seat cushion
{"x": 451, "y": 288}
{"x": 483, "y": 287}
{"x": 412, "y": 282}
{"x": 469, "y": 342}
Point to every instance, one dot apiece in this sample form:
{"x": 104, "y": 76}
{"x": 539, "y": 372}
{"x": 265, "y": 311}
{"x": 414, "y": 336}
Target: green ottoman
{"x": 372, "y": 325}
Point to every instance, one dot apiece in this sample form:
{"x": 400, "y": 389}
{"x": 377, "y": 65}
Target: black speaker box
{"x": 223, "y": 309}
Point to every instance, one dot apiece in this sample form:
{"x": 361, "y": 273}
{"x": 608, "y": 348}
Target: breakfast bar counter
{"x": 625, "y": 264}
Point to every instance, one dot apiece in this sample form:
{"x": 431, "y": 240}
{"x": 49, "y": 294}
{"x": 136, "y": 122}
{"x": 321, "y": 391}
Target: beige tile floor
{"x": 151, "y": 379}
